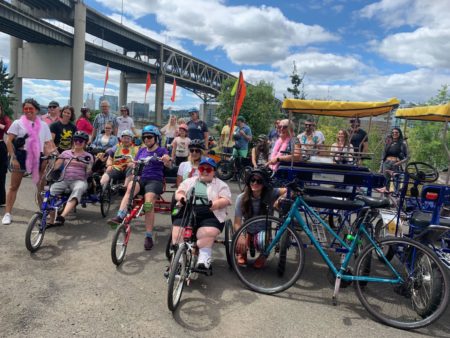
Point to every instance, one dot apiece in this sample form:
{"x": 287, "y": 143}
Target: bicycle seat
{"x": 374, "y": 202}
{"x": 423, "y": 219}
{"x": 332, "y": 203}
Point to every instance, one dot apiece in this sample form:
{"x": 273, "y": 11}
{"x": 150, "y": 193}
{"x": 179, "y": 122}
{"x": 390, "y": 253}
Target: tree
{"x": 260, "y": 108}
{"x": 298, "y": 87}
{"x": 6, "y": 86}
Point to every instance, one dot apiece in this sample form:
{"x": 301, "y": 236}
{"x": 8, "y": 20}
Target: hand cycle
{"x": 395, "y": 291}
{"x": 39, "y": 221}
{"x": 135, "y": 209}
{"x": 184, "y": 256}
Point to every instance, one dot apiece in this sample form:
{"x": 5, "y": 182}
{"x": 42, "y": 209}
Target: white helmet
{"x": 126, "y": 132}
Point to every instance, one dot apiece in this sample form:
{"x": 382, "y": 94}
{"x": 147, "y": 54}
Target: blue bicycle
{"x": 52, "y": 205}
{"x": 408, "y": 290}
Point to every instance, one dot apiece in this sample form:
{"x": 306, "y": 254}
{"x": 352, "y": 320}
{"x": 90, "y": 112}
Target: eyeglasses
{"x": 52, "y": 107}
{"x": 256, "y": 181}
{"x": 194, "y": 150}
{"x": 208, "y": 170}
{"x": 79, "y": 140}
{"x": 28, "y": 109}
{"x": 148, "y": 136}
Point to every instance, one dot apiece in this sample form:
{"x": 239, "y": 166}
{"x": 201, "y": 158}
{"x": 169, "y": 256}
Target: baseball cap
{"x": 192, "y": 110}
{"x": 241, "y": 118}
{"x": 53, "y": 104}
{"x": 208, "y": 160}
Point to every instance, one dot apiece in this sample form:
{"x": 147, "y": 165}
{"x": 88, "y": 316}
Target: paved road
{"x": 71, "y": 287}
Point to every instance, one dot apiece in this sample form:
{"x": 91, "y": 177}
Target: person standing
{"x": 169, "y": 131}
{"x": 242, "y": 135}
{"x": 273, "y": 134}
{"x": 395, "y": 154}
{"x": 180, "y": 145}
{"x": 102, "y": 118}
{"x": 64, "y": 129}
{"x": 5, "y": 123}
{"x": 54, "y": 113}
{"x": 226, "y": 142}
{"x": 125, "y": 122}
{"x": 358, "y": 137}
{"x": 83, "y": 123}
{"x": 197, "y": 129}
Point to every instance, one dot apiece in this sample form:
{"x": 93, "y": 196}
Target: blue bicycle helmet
{"x": 151, "y": 130}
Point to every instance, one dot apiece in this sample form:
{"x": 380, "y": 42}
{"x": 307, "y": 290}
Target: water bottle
{"x": 188, "y": 232}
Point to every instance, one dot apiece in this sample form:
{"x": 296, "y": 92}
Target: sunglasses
{"x": 28, "y": 109}
{"x": 78, "y": 140}
{"x": 284, "y": 127}
{"x": 256, "y": 181}
{"x": 208, "y": 170}
{"x": 52, "y": 107}
{"x": 194, "y": 150}
{"x": 147, "y": 136}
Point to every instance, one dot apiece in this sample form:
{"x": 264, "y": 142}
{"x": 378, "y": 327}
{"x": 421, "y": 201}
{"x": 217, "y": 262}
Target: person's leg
{"x": 122, "y": 212}
{"x": 104, "y": 179}
{"x": 206, "y": 236}
{"x": 128, "y": 177}
{"x": 16, "y": 179}
{"x": 177, "y": 234}
{"x": 78, "y": 188}
{"x": 3, "y": 171}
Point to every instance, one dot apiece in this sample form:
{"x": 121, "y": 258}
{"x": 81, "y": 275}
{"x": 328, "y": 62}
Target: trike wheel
{"x": 418, "y": 289}
{"x": 243, "y": 175}
{"x": 225, "y": 170}
{"x": 270, "y": 271}
{"x": 34, "y": 234}
{"x": 227, "y": 242}
{"x": 105, "y": 200}
{"x": 119, "y": 245}
{"x": 177, "y": 277}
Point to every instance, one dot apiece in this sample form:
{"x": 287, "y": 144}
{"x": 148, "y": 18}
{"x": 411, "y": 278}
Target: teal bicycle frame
{"x": 294, "y": 213}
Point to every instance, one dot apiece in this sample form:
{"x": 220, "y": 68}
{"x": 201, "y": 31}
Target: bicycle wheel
{"x": 105, "y": 200}
{"x": 270, "y": 273}
{"x": 34, "y": 234}
{"x": 243, "y": 175}
{"x": 227, "y": 241}
{"x": 225, "y": 170}
{"x": 119, "y": 245}
{"x": 169, "y": 250}
{"x": 177, "y": 277}
{"x": 422, "y": 296}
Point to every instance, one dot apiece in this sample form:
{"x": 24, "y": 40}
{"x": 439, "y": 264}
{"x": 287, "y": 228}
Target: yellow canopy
{"x": 426, "y": 113}
{"x": 340, "y": 108}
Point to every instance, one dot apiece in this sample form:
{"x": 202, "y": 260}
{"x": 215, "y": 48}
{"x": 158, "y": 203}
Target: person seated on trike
{"x": 151, "y": 181}
{"x": 76, "y": 172}
{"x": 210, "y": 220}
{"x": 258, "y": 198}
{"x": 120, "y": 160}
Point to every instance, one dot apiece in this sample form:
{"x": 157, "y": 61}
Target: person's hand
{"x": 2, "y": 126}
{"x": 241, "y": 244}
{"x": 166, "y": 159}
{"x": 109, "y": 169}
{"x": 272, "y": 161}
{"x": 15, "y": 164}
{"x": 242, "y": 132}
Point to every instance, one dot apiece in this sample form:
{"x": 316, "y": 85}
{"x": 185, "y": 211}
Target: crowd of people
{"x": 186, "y": 147}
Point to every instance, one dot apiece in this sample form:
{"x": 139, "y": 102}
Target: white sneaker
{"x": 7, "y": 219}
{"x": 204, "y": 262}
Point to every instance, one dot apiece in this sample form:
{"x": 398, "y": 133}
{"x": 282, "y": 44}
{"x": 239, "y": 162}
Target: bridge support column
{"x": 15, "y": 45}
{"x": 77, "y": 85}
{"x": 123, "y": 90}
{"x": 159, "y": 98}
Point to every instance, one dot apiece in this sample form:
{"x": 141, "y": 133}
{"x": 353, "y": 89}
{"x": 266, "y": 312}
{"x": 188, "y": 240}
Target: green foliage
{"x": 94, "y": 113}
{"x": 298, "y": 87}
{"x": 442, "y": 97}
{"x": 6, "y": 86}
{"x": 259, "y": 109}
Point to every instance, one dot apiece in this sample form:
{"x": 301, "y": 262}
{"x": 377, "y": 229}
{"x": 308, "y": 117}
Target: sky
{"x": 346, "y": 49}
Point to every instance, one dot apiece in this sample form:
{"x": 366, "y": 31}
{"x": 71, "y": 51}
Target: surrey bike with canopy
{"x": 395, "y": 290}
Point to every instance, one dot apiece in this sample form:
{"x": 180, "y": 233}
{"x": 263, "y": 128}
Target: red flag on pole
{"x": 106, "y": 77}
{"x": 241, "y": 91}
{"x": 174, "y": 90}
{"x": 148, "y": 83}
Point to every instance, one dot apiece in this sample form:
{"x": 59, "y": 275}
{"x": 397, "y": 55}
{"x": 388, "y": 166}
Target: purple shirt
{"x": 154, "y": 170}
{"x": 76, "y": 170}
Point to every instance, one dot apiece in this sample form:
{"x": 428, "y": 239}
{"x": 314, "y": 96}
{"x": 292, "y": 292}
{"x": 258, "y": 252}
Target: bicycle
{"x": 400, "y": 291}
{"x": 135, "y": 209}
{"x": 182, "y": 268}
{"x": 227, "y": 169}
{"x": 37, "y": 225}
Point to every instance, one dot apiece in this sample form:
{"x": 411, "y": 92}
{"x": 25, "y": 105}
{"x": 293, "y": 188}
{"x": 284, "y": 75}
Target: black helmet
{"x": 196, "y": 143}
{"x": 262, "y": 138}
{"x": 265, "y": 174}
{"x": 81, "y": 135}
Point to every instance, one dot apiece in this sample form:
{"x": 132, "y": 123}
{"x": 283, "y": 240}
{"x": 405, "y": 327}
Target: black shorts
{"x": 21, "y": 156}
{"x": 202, "y": 219}
{"x": 118, "y": 175}
{"x": 153, "y": 186}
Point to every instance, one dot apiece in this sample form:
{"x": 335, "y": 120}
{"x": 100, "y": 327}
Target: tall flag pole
{"x": 148, "y": 83}
{"x": 174, "y": 90}
{"x": 106, "y": 78}
{"x": 239, "y": 91}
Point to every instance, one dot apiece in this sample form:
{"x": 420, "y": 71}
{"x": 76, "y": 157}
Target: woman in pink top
{"x": 286, "y": 142}
{"x": 83, "y": 123}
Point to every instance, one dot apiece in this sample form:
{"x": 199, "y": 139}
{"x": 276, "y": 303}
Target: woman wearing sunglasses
{"x": 151, "y": 181}
{"x": 258, "y": 198}
{"x": 189, "y": 168}
{"x": 75, "y": 175}
{"x": 28, "y": 137}
{"x": 210, "y": 221}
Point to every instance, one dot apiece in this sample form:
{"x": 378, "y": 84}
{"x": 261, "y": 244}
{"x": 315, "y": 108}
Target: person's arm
{"x": 174, "y": 148}
{"x": 206, "y": 136}
{"x": 220, "y": 203}
{"x": 133, "y": 129}
{"x": 254, "y": 157}
{"x": 11, "y": 151}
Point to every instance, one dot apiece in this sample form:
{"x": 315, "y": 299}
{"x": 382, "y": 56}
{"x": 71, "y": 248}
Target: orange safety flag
{"x": 241, "y": 90}
{"x": 148, "y": 83}
{"x": 106, "y": 77}
{"x": 174, "y": 90}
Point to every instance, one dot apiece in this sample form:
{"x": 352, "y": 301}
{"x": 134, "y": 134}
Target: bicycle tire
{"x": 169, "y": 251}
{"x": 402, "y": 305}
{"x": 225, "y": 170}
{"x": 119, "y": 242}
{"x": 227, "y": 241}
{"x": 34, "y": 235}
{"x": 242, "y": 179}
{"x": 105, "y": 200}
{"x": 282, "y": 267}
{"x": 177, "y": 277}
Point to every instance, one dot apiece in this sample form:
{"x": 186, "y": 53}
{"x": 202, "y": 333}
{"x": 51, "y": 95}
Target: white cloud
{"x": 4, "y": 47}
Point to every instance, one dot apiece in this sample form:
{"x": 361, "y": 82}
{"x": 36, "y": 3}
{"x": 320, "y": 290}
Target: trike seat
{"x": 333, "y": 203}
{"x": 423, "y": 219}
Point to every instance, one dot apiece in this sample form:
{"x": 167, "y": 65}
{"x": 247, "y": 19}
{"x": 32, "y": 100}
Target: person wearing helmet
{"x": 197, "y": 129}
{"x": 209, "y": 219}
{"x": 125, "y": 122}
{"x": 75, "y": 174}
{"x": 180, "y": 145}
{"x": 258, "y": 198}
{"x": 151, "y": 181}
{"x": 261, "y": 151}
{"x": 120, "y": 159}
{"x": 189, "y": 168}
{"x": 242, "y": 135}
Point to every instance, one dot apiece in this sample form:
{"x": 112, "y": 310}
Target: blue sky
{"x": 348, "y": 50}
